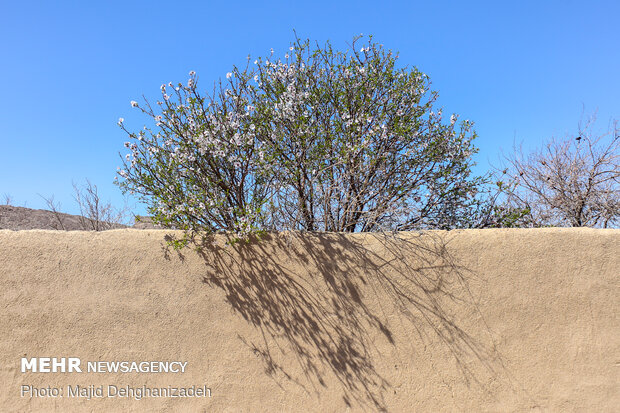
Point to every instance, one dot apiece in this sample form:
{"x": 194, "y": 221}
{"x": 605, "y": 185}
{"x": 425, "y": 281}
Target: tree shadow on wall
{"x": 322, "y": 297}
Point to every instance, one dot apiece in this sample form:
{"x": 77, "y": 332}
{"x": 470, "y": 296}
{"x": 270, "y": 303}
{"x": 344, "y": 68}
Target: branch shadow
{"x": 320, "y": 297}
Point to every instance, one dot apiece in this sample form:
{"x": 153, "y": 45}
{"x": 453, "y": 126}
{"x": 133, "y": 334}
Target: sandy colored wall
{"x": 491, "y": 320}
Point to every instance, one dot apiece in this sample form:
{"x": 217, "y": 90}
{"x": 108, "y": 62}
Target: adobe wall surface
{"x": 473, "y": 320}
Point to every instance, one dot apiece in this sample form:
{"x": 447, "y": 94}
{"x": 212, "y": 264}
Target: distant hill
{"x": 20, "y": 218}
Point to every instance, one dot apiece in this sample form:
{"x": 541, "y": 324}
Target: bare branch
{"x": 54, "y": 207}
{"x": 96, "y": 215}
{"x": 570, "y": 182}
{"x": 8, "y": 199}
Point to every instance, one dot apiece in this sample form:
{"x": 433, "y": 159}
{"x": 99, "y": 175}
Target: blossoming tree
{"x": 316, "y": 140}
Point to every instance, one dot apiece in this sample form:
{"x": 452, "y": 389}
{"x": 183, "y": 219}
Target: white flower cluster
{"x": 221, "y": 131}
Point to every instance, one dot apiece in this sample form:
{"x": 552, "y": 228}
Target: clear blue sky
{"x": 521, "y": 70}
